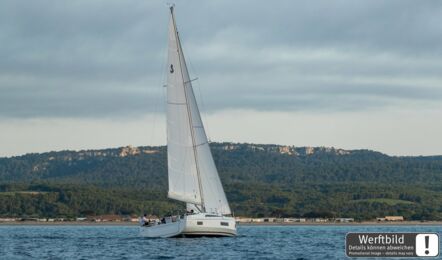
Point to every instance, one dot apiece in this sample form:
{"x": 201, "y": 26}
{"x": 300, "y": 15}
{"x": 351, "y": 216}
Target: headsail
{"x": 193, "y": 177}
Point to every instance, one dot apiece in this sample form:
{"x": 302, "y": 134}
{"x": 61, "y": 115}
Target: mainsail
{"x": 193, "y": 177}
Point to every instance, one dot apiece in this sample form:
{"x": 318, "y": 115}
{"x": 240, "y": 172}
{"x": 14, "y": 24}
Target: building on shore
{"x": 293, "y": 220}
{"x": 9, "y": 219}
{"x": 391, "y": 218}
{"x": 106, "y": 218}
{"x": 243, "y": 220}
{"x": 344, "y": 220}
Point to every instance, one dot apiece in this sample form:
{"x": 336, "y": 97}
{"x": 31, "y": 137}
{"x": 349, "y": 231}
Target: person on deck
{"x": 144, "y": 221}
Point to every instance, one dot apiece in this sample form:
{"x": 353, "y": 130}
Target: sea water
{"x": 123, "y": 242}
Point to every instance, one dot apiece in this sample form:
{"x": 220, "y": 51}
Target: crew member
{"x": 144, "y": 221}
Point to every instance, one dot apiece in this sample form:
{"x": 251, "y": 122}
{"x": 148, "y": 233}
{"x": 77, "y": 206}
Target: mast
{"x": 189, "y": 112}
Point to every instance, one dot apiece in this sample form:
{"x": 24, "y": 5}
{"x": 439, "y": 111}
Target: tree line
{"x": 259, "y": 180}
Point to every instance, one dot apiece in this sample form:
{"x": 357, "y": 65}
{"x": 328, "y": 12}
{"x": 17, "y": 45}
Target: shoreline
{"x": 117, "y": 223}
{"x": 363, "y": 223}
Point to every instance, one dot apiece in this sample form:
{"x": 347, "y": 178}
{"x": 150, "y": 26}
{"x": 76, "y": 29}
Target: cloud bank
{"x": 106, "y": 58}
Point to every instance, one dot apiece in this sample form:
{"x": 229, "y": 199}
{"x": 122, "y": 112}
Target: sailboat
{"x": 193, "y": 177}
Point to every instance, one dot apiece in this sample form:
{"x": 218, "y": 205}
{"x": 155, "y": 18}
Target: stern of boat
{"x": 168, "y": 229}
{"x": 206, "y": 224}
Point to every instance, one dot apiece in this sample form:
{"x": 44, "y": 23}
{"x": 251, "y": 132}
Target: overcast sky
{"x": 349, "y": 74}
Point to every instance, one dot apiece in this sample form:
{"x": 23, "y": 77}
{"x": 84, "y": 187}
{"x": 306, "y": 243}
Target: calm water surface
{"x": 122, "y": 242}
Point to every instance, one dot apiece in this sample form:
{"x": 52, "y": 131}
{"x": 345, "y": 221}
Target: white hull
{"x": 206, "y": 224}
{"x": 170, "y": 229}
{"x": 202, "y": 224}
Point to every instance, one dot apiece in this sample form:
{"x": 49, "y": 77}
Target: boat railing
{"x": 164, "y": 220}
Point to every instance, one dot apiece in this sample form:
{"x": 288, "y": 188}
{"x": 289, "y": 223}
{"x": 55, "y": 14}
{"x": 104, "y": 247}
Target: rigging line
{"x": 162, "y": 79}
{"x": 190, "y": 80}
{"x": 155, "y": 115}
{"x": 196, "y": 145}
{"x": 157, "y": 105}
{"x": 192, "y": 131}
{"x": 203, "y": 104}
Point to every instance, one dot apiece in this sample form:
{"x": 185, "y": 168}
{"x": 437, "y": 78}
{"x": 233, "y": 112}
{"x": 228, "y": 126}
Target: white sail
{"x": 193, "y": 177}
{"x": 183, "y": 176}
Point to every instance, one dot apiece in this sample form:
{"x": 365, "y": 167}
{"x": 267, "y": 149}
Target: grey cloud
{"x": 105, "y": 58}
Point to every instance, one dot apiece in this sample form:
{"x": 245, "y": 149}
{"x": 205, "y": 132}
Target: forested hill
{"x": 260, "y": 180}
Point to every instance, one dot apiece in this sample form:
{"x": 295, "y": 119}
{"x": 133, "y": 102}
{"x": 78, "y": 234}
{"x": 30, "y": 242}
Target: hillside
{"x": 260, "y": 180}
